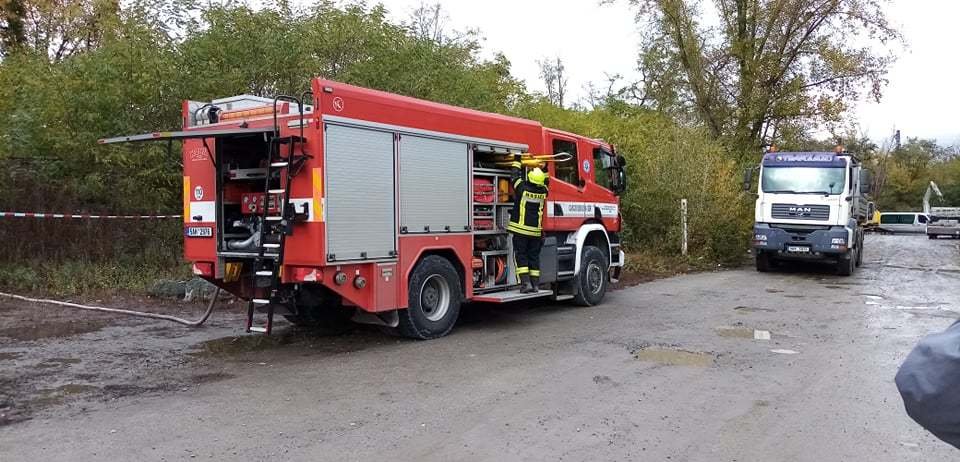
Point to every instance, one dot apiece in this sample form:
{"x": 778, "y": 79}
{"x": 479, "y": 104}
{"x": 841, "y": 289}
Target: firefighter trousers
{"x": 526, "y": 250}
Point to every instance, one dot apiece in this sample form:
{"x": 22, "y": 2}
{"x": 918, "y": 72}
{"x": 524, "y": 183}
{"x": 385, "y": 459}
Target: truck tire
{"x": 846, "y": 263}
{"x": 591, "y": 283}
{"x": 434, "y": 296}
{"x": 764, "y": 262}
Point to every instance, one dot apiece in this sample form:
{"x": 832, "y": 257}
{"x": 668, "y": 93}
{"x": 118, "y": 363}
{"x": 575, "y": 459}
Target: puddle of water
{"x": 310, "y": 339}
{"x": 751, "y": 309}
{"x": 743, "y": 332}
{"x": 675, "y": 357}
{"x": 54, "y": 396}
{"x": 53, "y": 329}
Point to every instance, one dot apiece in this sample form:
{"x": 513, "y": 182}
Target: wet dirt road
{"x": 678, "y": 369}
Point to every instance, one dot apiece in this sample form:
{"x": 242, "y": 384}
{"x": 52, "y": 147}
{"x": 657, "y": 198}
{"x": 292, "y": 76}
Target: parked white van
{"x": 903, "y": 222}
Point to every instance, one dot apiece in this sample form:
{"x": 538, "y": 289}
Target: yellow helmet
{"x": 536, "y": 176}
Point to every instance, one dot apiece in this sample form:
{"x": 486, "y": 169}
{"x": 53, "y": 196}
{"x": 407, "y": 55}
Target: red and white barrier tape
{"x": 84, "y": 216}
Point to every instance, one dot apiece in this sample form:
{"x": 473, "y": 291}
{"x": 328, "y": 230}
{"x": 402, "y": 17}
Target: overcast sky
{"x": 594, "y": 40}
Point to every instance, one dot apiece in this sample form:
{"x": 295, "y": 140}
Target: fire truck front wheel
{"x": 592, "y": 280}
{"x": 434, "y": 300}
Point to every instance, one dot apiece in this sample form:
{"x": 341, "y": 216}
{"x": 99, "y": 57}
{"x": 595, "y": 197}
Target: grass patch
{"x": 73, "y": 278}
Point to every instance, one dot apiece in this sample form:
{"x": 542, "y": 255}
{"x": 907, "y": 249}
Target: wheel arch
{"x": 450, "y": 255}
{"x": 589, "y": 234}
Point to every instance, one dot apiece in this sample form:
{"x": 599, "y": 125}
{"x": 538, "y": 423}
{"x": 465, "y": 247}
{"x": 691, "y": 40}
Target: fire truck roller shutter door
{"x": 434, "y": 185}
{"x": 360, "y": 201}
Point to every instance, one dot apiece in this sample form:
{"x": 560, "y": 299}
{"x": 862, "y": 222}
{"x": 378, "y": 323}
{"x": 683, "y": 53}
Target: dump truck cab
{"x": 810, "y": 206}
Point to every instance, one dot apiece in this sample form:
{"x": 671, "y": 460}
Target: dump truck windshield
{"x": 803, "y": 180}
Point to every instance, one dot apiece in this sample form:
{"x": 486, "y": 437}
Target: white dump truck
{"x": 810, "y": 206}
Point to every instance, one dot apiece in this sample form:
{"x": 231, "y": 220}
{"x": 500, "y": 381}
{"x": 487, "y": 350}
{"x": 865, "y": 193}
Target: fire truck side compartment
{"x": 434, "y": 185}
{"x": 360, "y": 202}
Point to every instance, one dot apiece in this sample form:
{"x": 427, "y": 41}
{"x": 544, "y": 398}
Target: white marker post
{"x": 683, "y": 224}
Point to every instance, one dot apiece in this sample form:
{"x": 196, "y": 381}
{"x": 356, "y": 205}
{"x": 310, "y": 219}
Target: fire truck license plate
{"x": 199, "y": 231}
{"x": 798, "y": 249}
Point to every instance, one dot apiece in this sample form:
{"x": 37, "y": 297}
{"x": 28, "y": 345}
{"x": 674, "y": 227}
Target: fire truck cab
{"x": 353, "y": 203}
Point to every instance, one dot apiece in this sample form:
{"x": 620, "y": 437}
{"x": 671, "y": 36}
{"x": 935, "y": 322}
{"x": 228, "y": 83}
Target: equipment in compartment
{"x": 253, "y": 203}
{"x": 483, "y": 191}
{"x": 491, "y": 266}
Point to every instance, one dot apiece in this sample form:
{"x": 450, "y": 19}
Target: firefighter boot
{"x": 535, "y": 282}
{"x": 525, "y": 286}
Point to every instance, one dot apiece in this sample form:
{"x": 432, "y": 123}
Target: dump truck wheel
{"x": 593, "y": 278}
{"x": 433, "y": 301}
{"x": 846, "y": 264}
{"x": 763, "y": 261}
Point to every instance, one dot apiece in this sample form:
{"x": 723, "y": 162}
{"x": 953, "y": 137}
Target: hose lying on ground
{"x": 165, "y": 317}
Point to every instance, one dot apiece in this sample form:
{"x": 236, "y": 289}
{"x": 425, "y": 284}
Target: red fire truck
{"x": 385, "y": 209}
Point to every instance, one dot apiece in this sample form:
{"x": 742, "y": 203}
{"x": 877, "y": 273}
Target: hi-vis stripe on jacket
{"x": 526, "y": 217}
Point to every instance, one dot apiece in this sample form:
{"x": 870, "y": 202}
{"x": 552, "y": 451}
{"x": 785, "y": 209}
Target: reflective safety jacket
{"x": 526, "y": 216}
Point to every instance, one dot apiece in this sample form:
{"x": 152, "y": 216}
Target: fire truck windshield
{"x": 803, "y": 180}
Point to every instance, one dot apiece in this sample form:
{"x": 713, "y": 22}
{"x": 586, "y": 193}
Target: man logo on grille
{"x": 800, "y": 211}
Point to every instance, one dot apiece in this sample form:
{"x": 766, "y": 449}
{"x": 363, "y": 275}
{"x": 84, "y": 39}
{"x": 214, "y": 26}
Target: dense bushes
{"x": 667, "y": 163}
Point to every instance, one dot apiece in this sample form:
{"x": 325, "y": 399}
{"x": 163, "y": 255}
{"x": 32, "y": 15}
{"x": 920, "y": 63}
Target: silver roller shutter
{"x": 434, "y": 185}
{"x": 360, "y": 203}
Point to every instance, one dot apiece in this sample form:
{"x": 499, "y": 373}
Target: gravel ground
{"x": 678, "y": 369}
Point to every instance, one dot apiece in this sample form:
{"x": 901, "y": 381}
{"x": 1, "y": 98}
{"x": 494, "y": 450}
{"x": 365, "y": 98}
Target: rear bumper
{"x": 829, "y": 242}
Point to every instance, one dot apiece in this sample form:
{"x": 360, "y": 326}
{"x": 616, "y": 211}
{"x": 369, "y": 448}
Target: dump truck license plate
{"x": 798, "y": 249}
{"x": 199, "y": 231}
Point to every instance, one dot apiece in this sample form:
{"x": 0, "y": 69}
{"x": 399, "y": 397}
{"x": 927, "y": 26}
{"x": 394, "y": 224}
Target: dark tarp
{"x": 929, "y": 382}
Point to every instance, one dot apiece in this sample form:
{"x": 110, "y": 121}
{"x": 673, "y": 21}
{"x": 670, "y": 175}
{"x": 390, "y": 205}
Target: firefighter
{"x": 526, "y": 223}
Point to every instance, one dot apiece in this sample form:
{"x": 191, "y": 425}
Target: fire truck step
{"x": 510, "y": 296}
{"x": 264, "y": 273}
{"x": 260, "y": 301}
{"x": 279, "y": 164}
{"x": 271, "y": 246}
{"x": 274, "y": 218}
{"x": 259, "y": 330}
{"x": 277, "y": 191}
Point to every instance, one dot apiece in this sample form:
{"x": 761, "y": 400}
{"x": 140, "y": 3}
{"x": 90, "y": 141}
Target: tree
{"x": 763, "y": 64}
{"x": 57, "y": 28}
{"x": 554, "y": 77}
{"x": 428, "y": 22}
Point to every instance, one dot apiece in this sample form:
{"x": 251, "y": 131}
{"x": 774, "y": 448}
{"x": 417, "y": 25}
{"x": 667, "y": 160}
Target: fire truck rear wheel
{"x": 593, "y": 277}
{"x": 434, "y": 300}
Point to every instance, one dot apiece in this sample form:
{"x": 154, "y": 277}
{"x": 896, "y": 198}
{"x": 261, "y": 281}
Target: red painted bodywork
{"x": 305, "y": 259}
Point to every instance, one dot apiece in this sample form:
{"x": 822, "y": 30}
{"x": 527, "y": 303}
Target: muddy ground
{"x": 723, "y": 366}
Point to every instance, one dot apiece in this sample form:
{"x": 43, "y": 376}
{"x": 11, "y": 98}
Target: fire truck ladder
{"x": 276, "y": 223}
